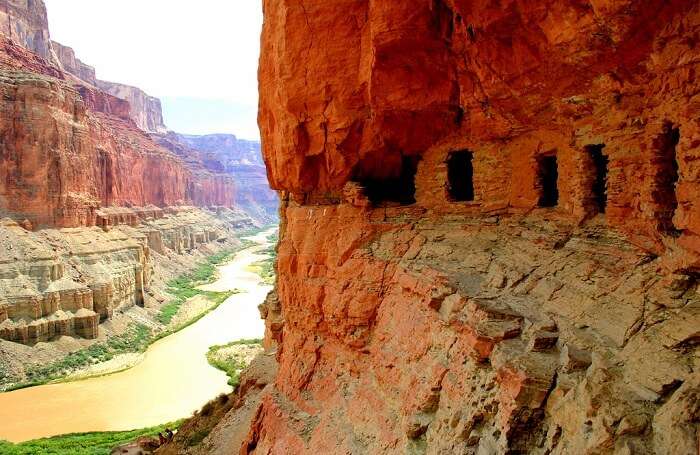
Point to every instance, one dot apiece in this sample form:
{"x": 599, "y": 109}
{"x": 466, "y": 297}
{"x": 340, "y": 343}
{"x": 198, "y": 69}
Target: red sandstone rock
{"x": 71, "y": 64}
{"x": 26, "y": 23}
{"x": 509, "y": 82}
{"x": 355, "y": 97}
{"x": 69, "y": 151}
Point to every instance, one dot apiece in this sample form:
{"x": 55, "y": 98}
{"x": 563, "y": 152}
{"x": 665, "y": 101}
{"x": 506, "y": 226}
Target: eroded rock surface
{"x": 68, "y": 150}
{"x": 488, "y": 241}
{"x": 242, "y": 159}
{"x": 73, "y": 65}
{"x": 26, "y": 23}
{"x": 64, "y": 282}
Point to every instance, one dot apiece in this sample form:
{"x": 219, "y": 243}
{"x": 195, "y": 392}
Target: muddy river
{"x": 173, "y": 380}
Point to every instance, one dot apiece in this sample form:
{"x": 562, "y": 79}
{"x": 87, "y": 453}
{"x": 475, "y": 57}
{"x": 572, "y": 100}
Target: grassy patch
{"x": 266, "y": 268}
{"x": 136, "y": 339}
{"x": 81, "y": 444}
{"x": 197, "y": 437}
{"x": 184, "y": 287}
{"x": 139, "y": 337}
{"x": 231, "y": 365}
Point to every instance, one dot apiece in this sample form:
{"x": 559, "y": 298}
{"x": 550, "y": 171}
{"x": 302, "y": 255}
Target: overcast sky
{"x": 199, "y": 57}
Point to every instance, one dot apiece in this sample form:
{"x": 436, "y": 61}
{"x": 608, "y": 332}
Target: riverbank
{"x": 234, "y": 357}
{"x": 98, "y": 443}
{"x": 129, "y": 335}
{"x": 173, "y": 380}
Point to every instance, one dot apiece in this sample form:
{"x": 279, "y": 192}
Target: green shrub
{"x": 100, "y": 443}
{"x": 197, "y": 437}
{"x": 185, "y": 286}
{"x": 136, "y": 339}
{"x": 231, "y": 366}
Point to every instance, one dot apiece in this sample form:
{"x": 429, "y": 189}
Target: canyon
{"x": 97, "y": 213}
{"x": 489, "y": 236}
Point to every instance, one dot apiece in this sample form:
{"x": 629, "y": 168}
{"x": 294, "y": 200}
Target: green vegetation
{"x": 184, "y": 287}
{"x": 136, "y": 339}
{"x": 139, "y": 337}
{"x": 217, "y": 297}
{"x": 232, "y": 365}
{"x": 81, "y": 444}
{"x": 198, "y": 436}
{"x": 266, "y": 268}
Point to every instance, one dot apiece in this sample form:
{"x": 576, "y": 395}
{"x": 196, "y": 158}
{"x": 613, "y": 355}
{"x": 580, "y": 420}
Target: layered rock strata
{"x": 488, "y": 241}
{"x": 212, "y": 160}
{"x": 26, "y": 23}
{"x": 73, "y": 65}
{"x": 69, "y": 151}
{"x": 58, "y": 282}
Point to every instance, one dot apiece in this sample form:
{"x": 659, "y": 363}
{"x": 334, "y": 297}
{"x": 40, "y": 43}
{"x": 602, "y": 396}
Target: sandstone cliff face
{"x": 26, "y": 23}
{"x": 489, "y": 243}
{"x": 74, "y": 156}
{"x": 146, "y": 111}
{"x": 64, "y": 282}
{"x": 228, "y": 148}
{"x": 509, "y": 83}
{"x": 67, "y": 151}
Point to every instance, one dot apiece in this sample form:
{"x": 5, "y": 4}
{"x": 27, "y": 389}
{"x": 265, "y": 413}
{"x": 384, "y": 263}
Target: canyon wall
{"x": 213, "y": 162}
{"x": 70, "y": 149}
{"x": 65, "y": 282}
{"x": 86, "y": 194}
{"x": 26, "y": 23}
{"x": 71, "y": 64}
{"x": 489, "y": 238}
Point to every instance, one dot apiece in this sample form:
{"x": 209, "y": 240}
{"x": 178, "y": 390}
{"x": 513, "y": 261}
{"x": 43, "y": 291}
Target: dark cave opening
{"x": 460, "y": 176}
{"x": 399, "y": 190}
{"x": 667, "y": 176}
{"x": 600, "y": 176}
{"x": 548, "y": 174}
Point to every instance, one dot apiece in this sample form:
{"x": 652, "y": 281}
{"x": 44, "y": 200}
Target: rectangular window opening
{"x": 667, "y": 177}
{"x": 460, "y": 176}
{"x": 548, "y": 174}
{"x": 600, "y": 177}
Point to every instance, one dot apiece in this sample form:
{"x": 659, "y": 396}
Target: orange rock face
{"x": 489, "y": 240}
{"x": 511, "y": 83}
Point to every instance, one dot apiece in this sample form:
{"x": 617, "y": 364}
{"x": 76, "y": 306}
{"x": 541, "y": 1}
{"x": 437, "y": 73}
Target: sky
{"x": 201, "y": 61}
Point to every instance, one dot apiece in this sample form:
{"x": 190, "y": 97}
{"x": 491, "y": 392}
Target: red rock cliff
{"x": 71, "y": 64}
{"x": 26, "y": 23}
{"x": 490, "y": 230}
{"x": 67, "y": 150}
